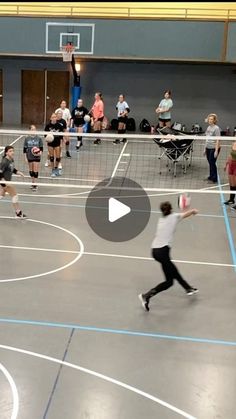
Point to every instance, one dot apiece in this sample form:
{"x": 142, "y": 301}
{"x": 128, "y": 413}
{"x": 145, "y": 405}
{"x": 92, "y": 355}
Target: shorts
{"x": 164, "y": 120}
{"x": 232, "y": 168}
{"x": 122, "y": 119}
{"x": 35, "y": 160}
{"x": 55, "y": 143}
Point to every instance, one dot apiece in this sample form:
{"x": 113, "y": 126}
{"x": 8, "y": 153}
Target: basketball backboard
{"x": 81, "y": 35}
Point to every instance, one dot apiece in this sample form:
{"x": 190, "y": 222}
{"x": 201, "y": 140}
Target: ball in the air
{"x": 184, "y": 201}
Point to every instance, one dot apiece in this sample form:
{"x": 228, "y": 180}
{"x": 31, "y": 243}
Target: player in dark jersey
{"x": 77, "y": 120}
{"x": 66, "y": 140}
{"x": 7, "y": 168}
{"x": 33, "y": 148}
{"x": 54, "y": 147}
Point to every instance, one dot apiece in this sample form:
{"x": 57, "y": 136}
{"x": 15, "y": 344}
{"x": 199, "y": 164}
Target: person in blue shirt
{"x": 163, "y": 110}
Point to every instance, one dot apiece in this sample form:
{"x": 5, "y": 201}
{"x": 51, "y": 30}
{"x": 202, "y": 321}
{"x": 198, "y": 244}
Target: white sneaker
{"x": 47, "y": 163}
{"x": 192, "y": 291}
{"x": 144, "y": 302}
{"x": 60, "y": 166}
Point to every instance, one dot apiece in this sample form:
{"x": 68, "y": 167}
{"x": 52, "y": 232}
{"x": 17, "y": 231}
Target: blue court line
{"x": 227, "y": 225}
{"x": 83, "y": 206}
{"x": 120, "y": 332}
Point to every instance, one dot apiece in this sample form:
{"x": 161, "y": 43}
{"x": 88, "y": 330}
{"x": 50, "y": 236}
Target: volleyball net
{"x": 155, "y": 162}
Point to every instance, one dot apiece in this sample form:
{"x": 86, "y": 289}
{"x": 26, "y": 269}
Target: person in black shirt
{"x": 54, "y": 147}
{"x": 7, "y": 168}
{"x": 33, "y": 148}
{"x": 77, "y": 119}
{"x": 63, "y": 123}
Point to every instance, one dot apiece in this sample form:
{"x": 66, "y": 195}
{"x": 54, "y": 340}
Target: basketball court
{"x": 75, "y": 340}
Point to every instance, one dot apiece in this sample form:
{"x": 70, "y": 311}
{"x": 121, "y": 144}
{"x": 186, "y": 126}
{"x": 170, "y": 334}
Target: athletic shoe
{"x": 96, "y": 142}
{"x": 233, "y": 207}
{"x": 20, "y": 215}
{"x": 192, "y": 291}
{"x": 144, "y": 302}
{"x": 47, "y": 163}
{"x": 58, "y": 172}
{"x": 78, "y": 147}
{"x": 34, "y": 188}
{"x": 53, "y": 173}
{"x": 59, "y": 165}
{"x": 124, "y": 140}
{"x": 68, "y": 156}
{"x": 116, "y": 141}
{"x": 229, "y": 202}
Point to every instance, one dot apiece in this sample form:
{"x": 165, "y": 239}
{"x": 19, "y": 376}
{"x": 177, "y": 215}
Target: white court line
{"x": 13, "y": 142}
{"x": 14, "y": 392}
{"x": 79, "y": 252}
{"x": 119, "y": 159}
{"x": 103, "y": 377}
{"x": 146, "y": 258}
{"x": 191, "y": 262}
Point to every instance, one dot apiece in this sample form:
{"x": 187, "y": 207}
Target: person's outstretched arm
{"x": 188, "y": 213}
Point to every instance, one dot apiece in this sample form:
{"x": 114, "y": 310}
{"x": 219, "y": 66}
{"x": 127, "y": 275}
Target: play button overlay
{"x": 118, "y": 209}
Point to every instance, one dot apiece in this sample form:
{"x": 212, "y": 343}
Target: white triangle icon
{"x": 117, "y": 210}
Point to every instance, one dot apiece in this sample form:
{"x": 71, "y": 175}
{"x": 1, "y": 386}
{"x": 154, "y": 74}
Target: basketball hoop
{"x": 67, "y": 52}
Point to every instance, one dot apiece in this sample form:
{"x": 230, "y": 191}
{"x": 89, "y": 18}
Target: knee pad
{"x": 15, "y": 199}
{"x": 31, "y": 173}
{"x": 51, "y": 159}
{"x": 58, "y": 159}
{"x": 36, "y": 175}
{"x": 67, "y": 142}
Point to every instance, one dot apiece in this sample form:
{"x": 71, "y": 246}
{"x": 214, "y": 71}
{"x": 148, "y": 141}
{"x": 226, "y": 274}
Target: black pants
{"x": 212, "y": 163}
{"x": 162, "y": 255}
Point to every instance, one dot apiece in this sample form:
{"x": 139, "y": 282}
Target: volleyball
{"x": 35, "y": 151}
{"x": 87, "y": 118}
{"x": 184, "y": 201}
{"x": 49, "y": 137}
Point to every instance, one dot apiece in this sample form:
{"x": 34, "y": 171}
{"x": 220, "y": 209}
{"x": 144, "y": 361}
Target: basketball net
{"x": 67, "y": 52}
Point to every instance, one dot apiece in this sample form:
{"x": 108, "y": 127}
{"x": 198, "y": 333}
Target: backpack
{"x": 145, "y": 126}
{"x": 130, "y": 124}
{"x": 114, "y": 124}
{"x": 105, "y": 123}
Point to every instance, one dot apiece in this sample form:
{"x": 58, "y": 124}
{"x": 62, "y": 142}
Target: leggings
{"x": 162, "y": 255}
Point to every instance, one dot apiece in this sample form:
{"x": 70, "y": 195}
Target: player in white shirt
{"x": 122, "y": 108}
{"x": 161, "y": 247}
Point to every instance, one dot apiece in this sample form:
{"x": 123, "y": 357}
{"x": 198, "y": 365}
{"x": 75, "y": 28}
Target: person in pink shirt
{"x": 97, "y": 113}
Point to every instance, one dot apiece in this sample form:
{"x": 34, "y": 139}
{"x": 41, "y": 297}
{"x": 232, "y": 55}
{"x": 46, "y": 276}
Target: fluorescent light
{"x": 77, "y": 67}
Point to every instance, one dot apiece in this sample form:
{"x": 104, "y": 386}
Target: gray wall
{"x": 198, "y": 89}
{"x": 154, "y": 39}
